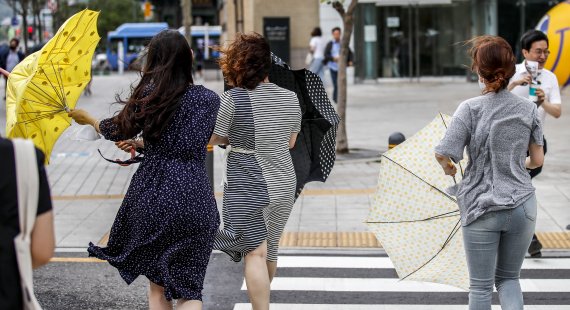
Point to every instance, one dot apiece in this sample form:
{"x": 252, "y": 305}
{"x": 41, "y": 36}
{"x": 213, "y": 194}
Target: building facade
{"x": 287, "y": 25}
{"x": 413, "y": 38}
{"x": 169, "y": 11}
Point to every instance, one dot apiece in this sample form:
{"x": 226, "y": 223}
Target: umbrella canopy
{"x": 413, "y": 217}
{"x": 47, "y": 84}
{"x": 314, "y": 153}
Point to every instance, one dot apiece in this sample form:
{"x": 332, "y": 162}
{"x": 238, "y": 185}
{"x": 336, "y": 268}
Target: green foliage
{"x": 113, "y": 14}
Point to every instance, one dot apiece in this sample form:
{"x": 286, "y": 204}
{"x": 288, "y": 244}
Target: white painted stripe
{"x": 384, "y": 262}
{"x": 70, "y": 250}
{"x": 395, "y": 285}
{"x": 386, "y": 307}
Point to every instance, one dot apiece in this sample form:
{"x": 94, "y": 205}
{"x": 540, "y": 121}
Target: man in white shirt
{"x": 534, "y": 45}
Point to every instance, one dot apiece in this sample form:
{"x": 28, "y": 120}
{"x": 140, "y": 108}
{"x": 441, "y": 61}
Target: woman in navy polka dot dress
{"x": 167, "y": 222}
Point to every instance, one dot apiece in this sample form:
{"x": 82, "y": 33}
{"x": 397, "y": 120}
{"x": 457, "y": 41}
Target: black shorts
{"x": 536, "y": 171}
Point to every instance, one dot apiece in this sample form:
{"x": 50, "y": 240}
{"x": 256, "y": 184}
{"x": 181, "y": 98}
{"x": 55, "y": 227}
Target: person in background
{"x": 317, "y": 49}
{"x": 496, "y": 198}
{"x": 534, "y": 45}
{"x": 332, "y": 54}
{"x": 43, "y": 237}
{"x": 11, "y": 57}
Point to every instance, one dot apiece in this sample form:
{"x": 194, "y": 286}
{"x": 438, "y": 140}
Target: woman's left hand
{"x": 82, "y": 117}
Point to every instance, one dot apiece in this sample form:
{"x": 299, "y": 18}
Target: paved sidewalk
{"x": 87, "y": 190}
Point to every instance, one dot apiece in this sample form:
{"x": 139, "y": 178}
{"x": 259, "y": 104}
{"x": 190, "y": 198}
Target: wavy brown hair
{"x": 246, "y": 61}
{"x": 493, "y": 60}
{"x": 166, "y": 75}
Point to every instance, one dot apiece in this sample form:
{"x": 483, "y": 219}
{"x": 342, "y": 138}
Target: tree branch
{"x": 351, "y": 7}
{"x": 337, "y": 5}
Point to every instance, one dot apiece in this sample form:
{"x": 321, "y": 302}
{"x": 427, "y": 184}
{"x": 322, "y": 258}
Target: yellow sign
{"x": 147, "y": 9}
{"x": 556, "y": 25}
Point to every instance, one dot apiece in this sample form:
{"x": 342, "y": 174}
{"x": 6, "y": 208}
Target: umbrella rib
{"x": 449, "y": 237}
{"x": 60, "y": 82}
{"x": 434, "y": 187}
{"x": 42, "y": 103}
{"x": 459, "y": 163}
{"x": 45, "y": 94}
{"x": 55, "y": 89}
{"x": 38, "y": 118}
{"x": 435, "y": 217}
{"x": 41, "y": 111}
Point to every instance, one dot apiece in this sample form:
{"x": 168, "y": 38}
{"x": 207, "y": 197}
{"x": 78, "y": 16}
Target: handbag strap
{"x": 27, "y": 184}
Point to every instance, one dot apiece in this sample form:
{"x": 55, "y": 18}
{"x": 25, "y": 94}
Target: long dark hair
{"x": 165, "y": 77}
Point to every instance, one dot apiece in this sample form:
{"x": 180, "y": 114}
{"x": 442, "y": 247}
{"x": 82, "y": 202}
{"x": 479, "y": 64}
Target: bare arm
{"x": 553, "y": 109}
{"x": 526, "y": 79}
{"x": 292, "y": 140}
{"x": 536, "y": 158}
{"x": 219, "y": 140}
{"x": 82, "y": 117}
{"x": 43, "y": 239}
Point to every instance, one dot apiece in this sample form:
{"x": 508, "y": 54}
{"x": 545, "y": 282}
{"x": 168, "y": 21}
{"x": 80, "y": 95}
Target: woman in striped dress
{"x": 259, "y": 122}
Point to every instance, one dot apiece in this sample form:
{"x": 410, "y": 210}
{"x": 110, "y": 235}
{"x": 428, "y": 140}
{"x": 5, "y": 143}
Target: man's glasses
{"x": 540, "y": 52}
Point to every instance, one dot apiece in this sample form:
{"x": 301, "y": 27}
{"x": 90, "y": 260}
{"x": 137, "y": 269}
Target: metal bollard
{"x": 210, "y": 164}
{"x": 395, "y": 139}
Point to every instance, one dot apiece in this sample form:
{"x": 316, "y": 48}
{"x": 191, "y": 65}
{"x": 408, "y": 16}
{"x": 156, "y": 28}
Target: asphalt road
{"x": 304, "y": 281}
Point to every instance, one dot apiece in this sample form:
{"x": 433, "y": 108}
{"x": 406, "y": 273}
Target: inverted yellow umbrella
{"x": 47, "y": 84}
{"x": 413, "y": 217}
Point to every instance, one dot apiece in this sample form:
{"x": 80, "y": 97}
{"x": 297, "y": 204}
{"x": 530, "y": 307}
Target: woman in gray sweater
{"x": 496, "y": 198}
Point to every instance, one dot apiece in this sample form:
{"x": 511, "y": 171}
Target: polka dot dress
{"x": 167, "y": 222}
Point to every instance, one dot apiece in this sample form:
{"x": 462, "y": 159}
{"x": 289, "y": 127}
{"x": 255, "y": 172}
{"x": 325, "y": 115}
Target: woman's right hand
{"x": 449, "y": 169}
{"x": 128, "y": 145}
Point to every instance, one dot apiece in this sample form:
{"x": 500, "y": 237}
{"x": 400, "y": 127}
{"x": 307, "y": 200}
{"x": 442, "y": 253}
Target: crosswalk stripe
{"x": 395, "y": 285}
{"x": 244, "y": 306}
{"x": 286, "y": 261}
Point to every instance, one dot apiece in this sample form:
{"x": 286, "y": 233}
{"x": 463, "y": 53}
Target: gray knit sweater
{"x": 496, "y": 128}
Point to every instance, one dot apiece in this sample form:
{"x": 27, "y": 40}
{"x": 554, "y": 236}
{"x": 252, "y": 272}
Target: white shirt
{"x": 548, "y": 83}
{"x": 12, "y": 60}
{"x": 318, "y": 45}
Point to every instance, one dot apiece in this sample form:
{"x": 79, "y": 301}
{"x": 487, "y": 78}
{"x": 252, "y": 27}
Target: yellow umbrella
{"x": 47, "y": 84}
{"x": 413, "y": 217}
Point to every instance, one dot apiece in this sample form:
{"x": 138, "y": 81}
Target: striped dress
{"x": 260, "y": 182}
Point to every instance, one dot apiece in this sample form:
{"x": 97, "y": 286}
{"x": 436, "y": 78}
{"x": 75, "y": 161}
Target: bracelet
{"x": 96, "y": 126}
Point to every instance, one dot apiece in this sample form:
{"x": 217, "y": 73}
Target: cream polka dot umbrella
{"x": 413, "y": 217}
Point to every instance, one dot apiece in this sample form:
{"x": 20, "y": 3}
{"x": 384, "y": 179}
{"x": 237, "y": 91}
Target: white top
{"x": 548, "y": 83}
{"x": 318, "y": 44}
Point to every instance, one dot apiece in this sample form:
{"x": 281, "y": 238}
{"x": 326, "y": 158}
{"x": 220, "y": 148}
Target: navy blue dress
{"x": 167, "y": 222}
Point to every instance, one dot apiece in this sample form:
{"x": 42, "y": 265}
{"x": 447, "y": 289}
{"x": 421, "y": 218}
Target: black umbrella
{"x": 314, "y": 153}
